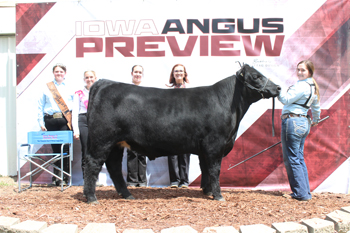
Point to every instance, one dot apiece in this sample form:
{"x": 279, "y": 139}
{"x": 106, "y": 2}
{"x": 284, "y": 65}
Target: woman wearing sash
{"x": 54, "y": 113}
{"x": 79, "y": 120}
{"x": 296, "y": 124}
{"x": 178, "y": 165}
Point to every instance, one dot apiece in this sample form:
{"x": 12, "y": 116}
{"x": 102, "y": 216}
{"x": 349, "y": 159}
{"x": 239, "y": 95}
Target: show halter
{"x": 260, "y": 91}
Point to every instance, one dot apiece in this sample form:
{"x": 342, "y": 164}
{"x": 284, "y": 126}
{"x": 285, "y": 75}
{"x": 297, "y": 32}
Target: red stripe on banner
{"x": 329, "y": 21}
{"x": 328, "y": 146}
{"x": 331, "y": 63}
{"x": 21, "y": 9}
{"x": 25, "y": 63}
{"x": 27, "y": 16}
{"x": 324, "y": 28}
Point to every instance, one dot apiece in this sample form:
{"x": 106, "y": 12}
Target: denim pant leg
{"x": 302, "y": 162}
{"x": 294, "y": 132}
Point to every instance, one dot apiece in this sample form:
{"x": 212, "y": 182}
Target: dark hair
{"x": 132, "y": 69}
{"x": 172, "y": 78}
{"x": 63, "y": 67}
{"x": 311, "y": 68}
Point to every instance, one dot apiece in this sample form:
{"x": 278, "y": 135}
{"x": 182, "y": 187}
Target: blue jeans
{"x": 294, "y": 132}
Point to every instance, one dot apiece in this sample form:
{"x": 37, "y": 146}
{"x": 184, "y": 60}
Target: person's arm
{"x": 292, "y": 95}
{"x": 316, "y": 112}
{"x": 41, "y": 106}
{"x": 75, "y": 116}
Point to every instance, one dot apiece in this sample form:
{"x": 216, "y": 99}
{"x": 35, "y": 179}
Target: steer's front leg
{"x": 214, "y": 173}
{"x": 205, "y": 180}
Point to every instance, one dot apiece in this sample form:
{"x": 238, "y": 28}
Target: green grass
{"x": 2, "y": 184}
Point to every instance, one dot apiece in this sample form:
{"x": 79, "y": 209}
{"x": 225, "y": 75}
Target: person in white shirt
{"x": 79, "y": 120}
{"x": 50, "y": 116}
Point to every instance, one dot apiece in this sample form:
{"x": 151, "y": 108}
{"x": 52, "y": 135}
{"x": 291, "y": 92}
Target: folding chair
{"x": 46, "y": 137}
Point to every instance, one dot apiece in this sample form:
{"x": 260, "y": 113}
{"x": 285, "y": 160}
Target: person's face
{"x": 89, "y": 79}
{"x": 303, "y": 72}
{"x": 179, "y": 74}
{"x": 137, "y": 75}
{"x": 59, "y": 74}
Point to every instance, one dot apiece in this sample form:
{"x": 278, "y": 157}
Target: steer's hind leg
{"x": 114, "y": 167}
{"x": 91, "y": 171}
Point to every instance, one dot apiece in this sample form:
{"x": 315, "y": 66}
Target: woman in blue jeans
{"x": 296, "y": 126}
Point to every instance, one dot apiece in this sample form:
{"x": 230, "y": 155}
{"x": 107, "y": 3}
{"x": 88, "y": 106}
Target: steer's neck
{"x": 241, "y": 100}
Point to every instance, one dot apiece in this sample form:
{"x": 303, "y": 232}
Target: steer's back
{"x": 155, "y": 121}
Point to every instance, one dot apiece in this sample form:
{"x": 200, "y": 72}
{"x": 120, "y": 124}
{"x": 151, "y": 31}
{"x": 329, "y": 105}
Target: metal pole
{"x": 267, "y": 148}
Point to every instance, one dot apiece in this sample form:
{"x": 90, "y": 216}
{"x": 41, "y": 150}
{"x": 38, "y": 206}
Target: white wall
{"x": 8, "y": 145}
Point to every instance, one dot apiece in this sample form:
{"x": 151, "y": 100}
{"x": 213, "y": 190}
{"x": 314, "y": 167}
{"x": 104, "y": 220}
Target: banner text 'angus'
{"x": 215, "y": 37}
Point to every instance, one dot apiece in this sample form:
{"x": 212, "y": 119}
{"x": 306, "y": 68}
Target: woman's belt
{"x": 288, "y": 115}
{"x": 55, "y": 115}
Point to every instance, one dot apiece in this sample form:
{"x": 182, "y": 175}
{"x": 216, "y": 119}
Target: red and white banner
{"x": 208, "y": 38}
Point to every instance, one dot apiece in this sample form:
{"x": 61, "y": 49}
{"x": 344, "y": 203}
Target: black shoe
{"x": 58, "y": 183}
{"x": 53, "y": 183}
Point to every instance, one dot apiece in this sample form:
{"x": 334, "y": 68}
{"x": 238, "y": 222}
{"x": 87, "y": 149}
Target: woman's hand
{"x": 43, "y": 128}
{"x": 314, "y": 123}
{"x": 76, "y": 136}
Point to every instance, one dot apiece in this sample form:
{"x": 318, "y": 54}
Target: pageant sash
{"x": 61, "y": 104}
{"x": 83, "y": 98}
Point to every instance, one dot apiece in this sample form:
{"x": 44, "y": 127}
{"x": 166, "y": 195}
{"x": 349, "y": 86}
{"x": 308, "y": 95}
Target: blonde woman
{"x": 79, "y": 120}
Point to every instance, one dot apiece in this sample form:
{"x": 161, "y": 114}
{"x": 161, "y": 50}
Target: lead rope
{"x": 273, "y": 116}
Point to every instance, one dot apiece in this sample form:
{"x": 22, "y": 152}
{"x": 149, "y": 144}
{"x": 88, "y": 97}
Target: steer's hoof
{"x": 208, "y": 194}
{"x": 93, "y": 203}
{"x": 130, "y": 197}
{"x": 219, "y": 199}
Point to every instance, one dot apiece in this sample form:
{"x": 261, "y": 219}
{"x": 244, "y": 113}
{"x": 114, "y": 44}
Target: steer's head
{"x": 257, "y": 83}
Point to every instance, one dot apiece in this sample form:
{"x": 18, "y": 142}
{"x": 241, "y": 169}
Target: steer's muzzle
{"x": 272, "y": 89}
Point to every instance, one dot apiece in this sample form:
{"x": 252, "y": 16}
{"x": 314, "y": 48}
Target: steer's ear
{"x": 241, "y": 72}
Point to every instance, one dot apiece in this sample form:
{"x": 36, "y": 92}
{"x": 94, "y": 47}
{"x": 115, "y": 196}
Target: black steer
{"x": 160, "y": 122}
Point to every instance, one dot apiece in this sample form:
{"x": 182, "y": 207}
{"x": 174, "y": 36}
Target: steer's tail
{"x": 96, "y": 88}
{"x": 93, "y": 91}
